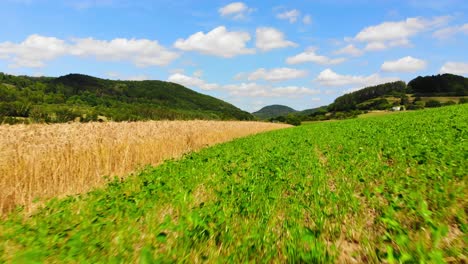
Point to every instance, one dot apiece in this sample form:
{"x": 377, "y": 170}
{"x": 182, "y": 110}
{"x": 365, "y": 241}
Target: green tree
{"x": 433, "y": 103}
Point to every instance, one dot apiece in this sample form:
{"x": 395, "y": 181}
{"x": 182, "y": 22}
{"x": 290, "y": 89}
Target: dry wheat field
{"x": 41, "y": 161}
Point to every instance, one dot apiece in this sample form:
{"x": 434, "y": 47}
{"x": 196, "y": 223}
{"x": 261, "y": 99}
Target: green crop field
{"x": 380, "y": 189}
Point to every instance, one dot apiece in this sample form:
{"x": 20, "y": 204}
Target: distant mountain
{"x": 87, "y": 98}
{"x": 273, "y": 111}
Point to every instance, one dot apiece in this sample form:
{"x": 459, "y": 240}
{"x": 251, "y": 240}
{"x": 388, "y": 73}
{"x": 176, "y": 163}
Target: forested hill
{"x": 350, "y": 101}
{"x": 429, "y": 86}
{"x": 444, "y": 85}
{"x": 273, "y": 111}
{"x": 87, "y": 98}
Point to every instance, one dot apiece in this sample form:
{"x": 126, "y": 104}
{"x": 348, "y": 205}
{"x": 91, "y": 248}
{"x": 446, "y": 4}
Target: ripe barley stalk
{"x": 43, "y": 161}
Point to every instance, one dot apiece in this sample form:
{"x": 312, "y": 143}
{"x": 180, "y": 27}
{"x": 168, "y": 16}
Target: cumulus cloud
{"x": 192, "y": 81}
{"x": 448, "y": 32}
{"x": 258, "y": 90}
{"x": 142, "y": 52}
{"x": 218, "y": 42}
{"x": 237, "y": 10}
{"x": 140, "y": 77}
{"x": 249, "y": 89}
{"x": 397, "y": 33}
{"x": 33, "y": 51}
{"x": 36, "y": 50}
{"x": 276, "y": 75}
{"x": 459, "y": 68}
{"x": 268, "y": 38}
{"x": 406, "y": 64}
{"x": 118, "y": 76}
{"x": 293, "y": 91}
{"x": 375, "y": 46}
{"x": 310, "y": 55}
{"x": 331, "y": 78}
{"x": 400, "y": 29}
{"x": 291, "y": 15}
{"x": 349, "y": 50}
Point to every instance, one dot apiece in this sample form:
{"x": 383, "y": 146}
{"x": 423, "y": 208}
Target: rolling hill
{"x": 87, "y": 98}
{"x": 272, "y": 111}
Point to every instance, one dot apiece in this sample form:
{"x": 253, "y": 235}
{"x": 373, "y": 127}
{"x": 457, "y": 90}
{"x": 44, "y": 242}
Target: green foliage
{"x": 79, "y": 96}
{"x": 404, "y": 100}
{"x": 382, "y": 189}
{"x": 433, "y": 103}
{"x": 293, "y": 120}
{"x": 375, "y": 104}
{"x": 313, "y": 111}
{"x": 449, "y": 103}
{"x": 439, "y": 85}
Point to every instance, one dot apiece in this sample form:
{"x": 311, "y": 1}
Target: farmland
{"x": 380, "y": 189}
{"x": 41, "y": 161}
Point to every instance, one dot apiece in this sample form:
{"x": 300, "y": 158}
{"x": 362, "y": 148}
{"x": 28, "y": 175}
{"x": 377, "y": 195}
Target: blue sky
{"x": 251, "y": 53}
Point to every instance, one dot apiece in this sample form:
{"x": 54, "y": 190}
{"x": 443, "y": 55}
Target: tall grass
{"x": 42, "y": 161}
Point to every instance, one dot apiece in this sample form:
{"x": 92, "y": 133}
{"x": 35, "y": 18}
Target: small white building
{"x": 398, "y": 108}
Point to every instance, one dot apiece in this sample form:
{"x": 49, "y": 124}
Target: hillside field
{"x": 380, "y": 189}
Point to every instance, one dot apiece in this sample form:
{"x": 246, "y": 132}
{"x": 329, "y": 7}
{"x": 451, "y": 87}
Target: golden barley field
{"x": 41, "y": 161}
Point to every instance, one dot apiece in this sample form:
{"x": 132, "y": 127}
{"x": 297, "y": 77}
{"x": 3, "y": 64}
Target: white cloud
{"x": 399, "y": 30}
{"x": 450, "y": 31}
{"x": 36, "y": 50}
{"x": 249, "y": 89}
{"x": 141, "y": 52}
{"x": 310, "y": 56}
{"x": 351, "y": 90}
{"x": 118, "y": 76}
{"x": 269, "y": 38}
{"x": 218, "y": 42}
{"x": 459, "y": 68}
{"x": 198, "y": 73}
{"x": 375, "y": 46}
{"x": 258, "y": 90}
{"x": 406, "y": 64}
{"x": 349, "y": 50}
{"x": 397, "y": 33}
{"x": 293, "y": 91}
{"x": 237, "y": 10}
{"x": 276, "y": 75}
{"x": 140, "y": 77}
{"x": 291, "y": 15}
{"x": 307, "y": 20}
{"x": 191, "y": 82}
{"x": 177, "y": 70}
{"x": 33, "y": 51}
{"x": 400, "y": 43}
{"x": 330, "y": 78}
